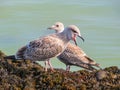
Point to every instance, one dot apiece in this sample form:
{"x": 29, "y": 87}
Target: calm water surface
{"x": 98, "y": 20}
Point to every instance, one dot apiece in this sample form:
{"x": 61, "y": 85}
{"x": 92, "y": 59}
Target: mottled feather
{"x": 73, "y": 55}
{"x": 44, "y": 48}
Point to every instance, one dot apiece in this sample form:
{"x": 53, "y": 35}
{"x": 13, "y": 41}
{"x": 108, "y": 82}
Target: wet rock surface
{"x": 18, "y": 75}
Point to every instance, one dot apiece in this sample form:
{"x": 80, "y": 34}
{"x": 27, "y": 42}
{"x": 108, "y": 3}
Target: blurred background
{"x": 99, "y": 21}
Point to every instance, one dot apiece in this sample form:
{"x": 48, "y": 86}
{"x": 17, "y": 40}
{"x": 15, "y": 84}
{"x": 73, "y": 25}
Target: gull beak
{"x": 48, "y": 28}
{"x": 81, "y": 37}
{"x": 52, "y": 27}
{"x": 74, "y": 39}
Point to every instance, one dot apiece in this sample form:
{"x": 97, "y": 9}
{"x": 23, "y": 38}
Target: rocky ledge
{"x": 18, "y": 75}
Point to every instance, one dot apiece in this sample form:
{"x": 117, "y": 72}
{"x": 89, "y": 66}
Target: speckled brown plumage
{"x": 49, "y": 46}
{"x": 44, "y": 48}
{"x": 73, "y": 55}
{"x": 20, "y": 52}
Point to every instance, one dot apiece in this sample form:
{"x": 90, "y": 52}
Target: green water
{"x": 98, "y": 20}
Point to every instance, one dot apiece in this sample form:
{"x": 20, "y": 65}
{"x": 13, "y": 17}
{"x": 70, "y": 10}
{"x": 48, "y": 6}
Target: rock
{"x": 101, "y": 74}
{"x": 30, "y": 76}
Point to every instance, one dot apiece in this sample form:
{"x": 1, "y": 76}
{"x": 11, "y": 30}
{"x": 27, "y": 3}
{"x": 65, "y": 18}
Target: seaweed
{"x": 17, "y": 75}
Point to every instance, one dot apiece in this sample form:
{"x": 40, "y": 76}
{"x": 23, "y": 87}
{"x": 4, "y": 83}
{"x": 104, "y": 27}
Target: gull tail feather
{"x": 92, "y": 62}
{"x": 10, "y": 57}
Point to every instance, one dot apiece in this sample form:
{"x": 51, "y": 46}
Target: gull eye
{"x": 57, "y": 25}
{"x": 74, "y": 31}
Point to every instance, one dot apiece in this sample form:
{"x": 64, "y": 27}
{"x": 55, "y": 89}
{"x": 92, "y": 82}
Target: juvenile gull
{"x": 73, "y": 55}
{"x": 47, "y": 47}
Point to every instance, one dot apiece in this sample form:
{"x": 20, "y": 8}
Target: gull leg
{"x": 68, "y": 68}
{"x": 49, "y": 63}
{"x": 46, "y": 65}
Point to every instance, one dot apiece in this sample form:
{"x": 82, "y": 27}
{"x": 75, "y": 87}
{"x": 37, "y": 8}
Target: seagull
{"x": 73, "y": 55}
{"x": 47, "y": 47}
